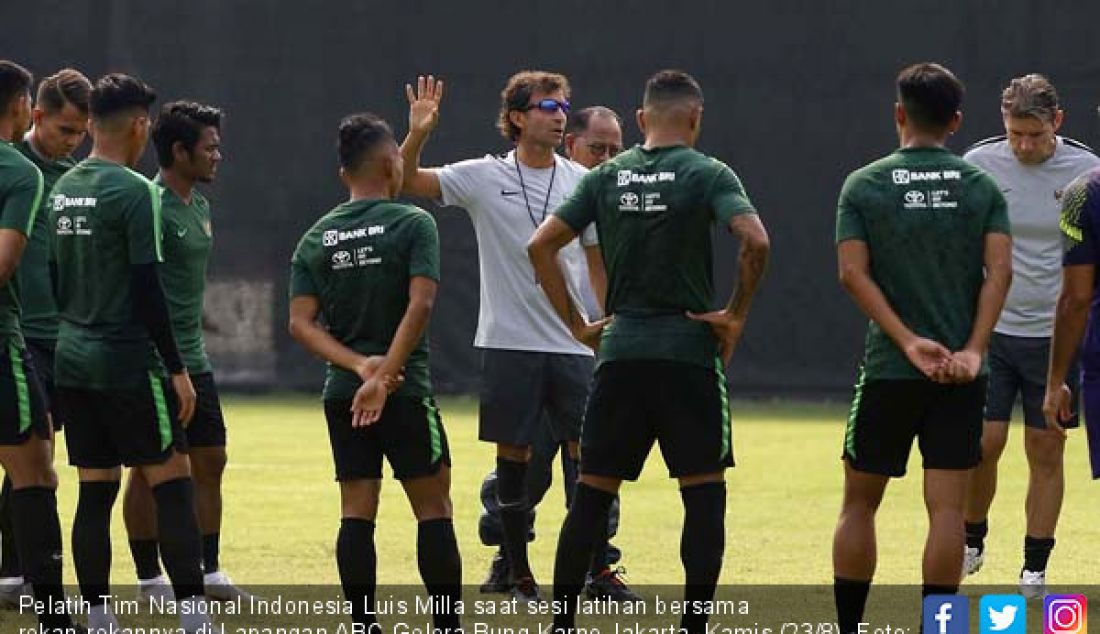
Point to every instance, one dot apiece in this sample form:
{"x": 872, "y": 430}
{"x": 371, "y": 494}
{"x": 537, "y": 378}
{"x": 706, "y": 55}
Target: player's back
{"x": 106, "y": 219}
{"x": 358, "y": 260}
{"x": 655, "y": 210}
{"x": 924, "y": 214}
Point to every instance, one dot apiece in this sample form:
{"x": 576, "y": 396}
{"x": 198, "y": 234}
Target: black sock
{"x": 598, "y": 562}
{"x": 850, "y": 596}
{"x": 512, "y": 497}
{"x": 92, "y": 539}
{"x": 9, "y": 554}
{"x": 38, "y": 535}
{"x": 1037, "y": 552}
{"x": 441, "y": 569}
{"x": 178, "y": 534}
{"x": 975, "y": 534}
{"x": 575, "y": 543}
{"x": 702, "y": 545}
{"x": 358, "y": 566}
{"x": 146, "y": 556}
{"x": 930, "y": 589}
{"x": 211, "y": 544}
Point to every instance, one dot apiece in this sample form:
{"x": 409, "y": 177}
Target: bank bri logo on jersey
{"x": 333, "y": 237}
{"x": 626, "y": 177}
{"x": 946, "y": 614}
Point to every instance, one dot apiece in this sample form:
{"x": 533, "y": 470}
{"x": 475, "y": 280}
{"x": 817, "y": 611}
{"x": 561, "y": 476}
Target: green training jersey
{"x": 924, "y": 214}
{"x": 39, "y": 318}
{"x": 654, "y": 212}
{"x": 21, "y": 186}
{"x": 106, "y": 218}
{"x": 187, "y": 242}
{"x": 358, "y": 260}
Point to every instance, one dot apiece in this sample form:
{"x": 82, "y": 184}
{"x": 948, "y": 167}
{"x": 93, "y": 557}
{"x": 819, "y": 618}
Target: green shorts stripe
{"x": 724, "y": 395}
{"x": 850, "y": 428}
{"x": 22, "y": 392}
{"x": 164, "y": 424}
{"x": 433, "y": 428}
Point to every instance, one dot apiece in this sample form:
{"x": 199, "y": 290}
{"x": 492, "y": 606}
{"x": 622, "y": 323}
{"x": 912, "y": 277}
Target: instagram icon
{"x": 1065, "y": 614}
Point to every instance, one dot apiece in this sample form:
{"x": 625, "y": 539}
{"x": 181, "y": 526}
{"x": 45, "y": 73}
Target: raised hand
{"x": 424, "y": 103}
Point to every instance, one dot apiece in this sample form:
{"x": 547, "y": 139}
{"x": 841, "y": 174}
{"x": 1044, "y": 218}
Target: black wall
{"x": 798, "y": 94}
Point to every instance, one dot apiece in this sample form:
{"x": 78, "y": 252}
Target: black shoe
{"x": 608, "y": 584}
{"x": 499, "y": 580}
{"x": 526, "y": 591}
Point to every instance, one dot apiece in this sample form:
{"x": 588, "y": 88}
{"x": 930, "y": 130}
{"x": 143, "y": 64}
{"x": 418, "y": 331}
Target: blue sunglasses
{"x": 549, "y": 106}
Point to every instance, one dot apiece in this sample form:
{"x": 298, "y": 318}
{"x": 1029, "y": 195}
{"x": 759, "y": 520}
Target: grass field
{"x": 282, "y": 512}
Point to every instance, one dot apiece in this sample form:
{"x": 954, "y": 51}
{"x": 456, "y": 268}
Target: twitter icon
{"x": 1003, "y": 614}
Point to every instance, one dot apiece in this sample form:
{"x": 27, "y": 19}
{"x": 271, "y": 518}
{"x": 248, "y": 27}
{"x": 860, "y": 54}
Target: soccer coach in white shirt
{"x": 531, "y": 361}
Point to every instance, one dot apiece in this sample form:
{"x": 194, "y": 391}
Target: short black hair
{"x": 359, "y": 135}
{"x": 671, "y": 86}
{"x": 14, "y": 82}
{"x": 116, "y": 93}
{"x": 66, "y": 86}
{"x": 182, "y": 122}
{"x": 930, "y": 95}
{"x": 579, "y": 120}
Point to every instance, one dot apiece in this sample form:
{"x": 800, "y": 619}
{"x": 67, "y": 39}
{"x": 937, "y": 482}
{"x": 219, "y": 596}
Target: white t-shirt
{"x": 515, "y": 314}
{"x": 1034, "y": 195}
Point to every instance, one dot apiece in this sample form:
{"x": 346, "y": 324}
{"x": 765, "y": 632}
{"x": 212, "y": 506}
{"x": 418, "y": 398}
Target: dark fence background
{"x": 798, "y": 94}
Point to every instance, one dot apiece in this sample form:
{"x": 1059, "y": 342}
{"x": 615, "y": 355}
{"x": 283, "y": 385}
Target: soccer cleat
{"x": 526, "y": 591}
{"x": 157, "y": 589}
{"x": 11, "y": 588}
{"x": 973, "y": 560}
{"x": 499, "y": 579}
{"x": 608, "y": 584}
{"x": 1033, "y": 585}
{"x": 219, "y": 587}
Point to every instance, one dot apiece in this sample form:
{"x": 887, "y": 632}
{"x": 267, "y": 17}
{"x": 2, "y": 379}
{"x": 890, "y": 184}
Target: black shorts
{"x": 42, "y": 353}
{"x": 517, "y": 387}
{"x": 207, "y": 428}
{"x": 122, "y": 426}
{"x": 22, "y": 402}
{"x": 684, "y": 407}
{"x": 1018, "y": 367}
{"x": 409, "y": 434}
{"x": 887, "y": 414}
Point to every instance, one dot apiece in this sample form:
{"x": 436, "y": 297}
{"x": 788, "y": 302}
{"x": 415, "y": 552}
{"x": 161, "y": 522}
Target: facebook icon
{"x": 946, "y": 614}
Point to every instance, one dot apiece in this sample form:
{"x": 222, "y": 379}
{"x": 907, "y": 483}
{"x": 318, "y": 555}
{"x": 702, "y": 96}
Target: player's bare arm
{"x": 1070, "y": 318}
{"x": 424, "y": 102}
{"x": 752, "y": 258}
{"x": 303, "y": 326}
{"x": 370, "y": 398}
{"x": 966, "y": 363}
{"x": 854, "y": 261}
{"x": 12, "y": 244}
{"x": 543, "y": 250}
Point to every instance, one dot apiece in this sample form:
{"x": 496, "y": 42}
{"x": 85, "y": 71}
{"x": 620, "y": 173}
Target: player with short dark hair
{"x": 531, "y": 365}
{"x": 924, "y": 250}
{"x": 662, "y": 356}
{"x": 187, "y": 140}
{"x": 111, "y": 388}
{"x": 1032, "y": 164}
{"x": 370, "y": 268}
{"x": 26, "y": 450}
{"x": 59, "y": 122}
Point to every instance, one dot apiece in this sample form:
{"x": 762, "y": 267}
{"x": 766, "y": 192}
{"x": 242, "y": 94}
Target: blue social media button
{"x": 1002, "y": 614}
{"x": 946, "y": 614}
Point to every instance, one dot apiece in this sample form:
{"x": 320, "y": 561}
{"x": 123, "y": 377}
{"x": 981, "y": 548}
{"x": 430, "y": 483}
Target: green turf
{"x": 282, "y": 505}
